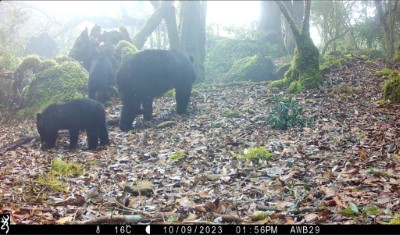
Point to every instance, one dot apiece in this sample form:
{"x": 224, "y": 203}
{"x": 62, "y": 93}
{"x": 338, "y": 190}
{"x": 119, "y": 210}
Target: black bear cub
{"x": 148, "y": 74}
{"x": 75, "y": 115}
{"x": 101, "y": 78}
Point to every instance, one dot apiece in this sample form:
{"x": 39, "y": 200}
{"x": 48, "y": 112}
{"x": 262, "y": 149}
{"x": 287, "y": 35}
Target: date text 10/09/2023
{"x": 238, "y": 229}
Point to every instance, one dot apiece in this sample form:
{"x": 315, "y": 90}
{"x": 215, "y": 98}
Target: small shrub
{"x": 286, "y": 113}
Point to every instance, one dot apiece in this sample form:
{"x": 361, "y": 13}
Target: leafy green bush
{"x": 286, "y": 113}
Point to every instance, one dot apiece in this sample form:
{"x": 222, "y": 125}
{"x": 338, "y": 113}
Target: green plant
{"x": 286, "y": 113}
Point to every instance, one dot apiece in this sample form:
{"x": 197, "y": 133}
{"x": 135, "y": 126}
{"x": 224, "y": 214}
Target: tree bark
{"x": 152, "y": 23}
{"x": 387, "y": 20}
{"x": 295, "y": 9}
{"x": 193, "y": 33}
{"x": 270, "y": 23}
{"x": 170, "y": 22}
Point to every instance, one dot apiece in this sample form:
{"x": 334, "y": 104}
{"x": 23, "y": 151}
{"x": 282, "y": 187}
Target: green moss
{"x": 53, "y": 182}
{"x": 177, "y": 156}
{"x": 230, "y": 113}
{"x": 171, "y": 93}
{"x": 295, "y": 87}
{"x": 31, "y": 62}
{"x": 395, "y": 220}
{"x": 391, "y": 89}
{"x": 253, "y": 68}
{"x": 330, "y": 62}
{"x": 304, "y": 68}
{"x": 278, "y": 83}
{"x": 256, "y": 153}
{"x": 397, "y": 57}
{"x": 56, "y": 84}
{"x": 47, "y": 64}
{"x": 124, "y": 49}
{"x": 384, "y": 72}
{"x": 280, "y": 73}
{"x": 60, "y": 167}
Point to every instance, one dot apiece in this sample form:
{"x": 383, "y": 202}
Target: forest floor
{"x": 343, "y": 170}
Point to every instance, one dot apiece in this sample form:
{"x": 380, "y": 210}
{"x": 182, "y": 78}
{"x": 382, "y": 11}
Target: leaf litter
{"x": 182, "y": 169}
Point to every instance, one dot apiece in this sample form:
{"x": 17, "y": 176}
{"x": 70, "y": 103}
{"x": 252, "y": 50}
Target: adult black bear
{"x": 75, "y": 115}
{"x": 101, "y": 78}
{"x": 148, "y": 74}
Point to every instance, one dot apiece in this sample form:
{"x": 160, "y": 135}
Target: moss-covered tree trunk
{"x": 304, "y": 71}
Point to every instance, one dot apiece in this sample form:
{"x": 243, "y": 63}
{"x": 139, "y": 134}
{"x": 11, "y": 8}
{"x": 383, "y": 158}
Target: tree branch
{"x": 289, "y": 19}
{"x": 305, "y": 27}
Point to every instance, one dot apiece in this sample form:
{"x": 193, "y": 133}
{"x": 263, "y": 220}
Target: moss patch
{"x": 177, "y": 156}
{"x": 255, "y": 154}
{"x": 391, "y": 89}
{"x": 384, "y": 72}
{"x": 123, "y": 49}
{"x": 397, "y": 57}
{"x": 60, "y": 167}
{"x": 254, "y": 68}
{"x": 30, "y": 63}
{"x": 56, "y": 84}
{"x": 230, "y": 113}
{"x": 331, "y": 62}
{"x": 304, "y": 68}
{"x": 395, "y": 220}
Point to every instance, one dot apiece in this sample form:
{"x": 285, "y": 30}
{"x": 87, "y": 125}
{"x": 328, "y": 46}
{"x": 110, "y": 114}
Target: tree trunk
{"x": 304, "y": 71}
{"x": 387, "y": 20}
{"x": 170, "y": 22}
{"x": 270, "y": 23}
{"x": 152, "y": 23}
{"x": 295, "y": 9}
{"x": 192, "y": 33}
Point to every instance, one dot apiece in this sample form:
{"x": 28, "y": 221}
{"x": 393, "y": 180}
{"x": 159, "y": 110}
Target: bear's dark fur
{"x": 148, "y": 74}
{"x": 75, "y": 115}
{"x": 101, "y": 78}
